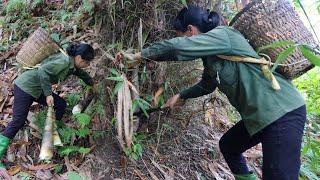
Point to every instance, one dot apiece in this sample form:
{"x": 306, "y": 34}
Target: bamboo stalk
{"x": 126, "y": 113}
{"x": 119, "y": 117}
{"x": 46, "y": 152}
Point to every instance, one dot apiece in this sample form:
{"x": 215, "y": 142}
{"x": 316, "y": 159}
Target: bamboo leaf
{"x": 314, "y": 59}
{"x": 282, "y": 56}
{"x": 145, "y": 103}
{"x": 308, "y": 173}
{"x": 143, "y": 108}
{"x": 118, "y": 78}
{"x": 134, "y": 105}
{"x": 276, "y": 45}
{"x": 114, "y": 72}
{"x": 117, "y": 87}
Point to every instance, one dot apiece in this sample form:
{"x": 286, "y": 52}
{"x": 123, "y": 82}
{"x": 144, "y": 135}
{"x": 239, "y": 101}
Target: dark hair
{"x": 194, "y": 15}
{"x": 84, "y": 50}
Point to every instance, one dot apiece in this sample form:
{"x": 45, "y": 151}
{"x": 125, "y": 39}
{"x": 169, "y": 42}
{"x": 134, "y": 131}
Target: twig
{"x": 153, "y": 176}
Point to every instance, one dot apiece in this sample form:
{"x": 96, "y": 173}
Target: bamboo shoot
{"x": 46, "y": 152}
{"x": 56, "y": 138}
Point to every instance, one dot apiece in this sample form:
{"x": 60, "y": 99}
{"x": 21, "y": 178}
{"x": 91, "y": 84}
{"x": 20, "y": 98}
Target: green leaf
{"x": 83, "y": 132}
{"x": 145, "y": 103}
{"x": 74, "y": 176}
{"x": 66, "y": 134}
{"x": 127, "y": 151}
{"x": 137, "y": 148}
{"x": 66, "y": 150}
{"x": 313, "y": 58}
{"x": 142, "y": 107}
{"x": 114, "y": 72}
{"x": 134, "y": 105}
{"x": 83, "y": 150}
{"x": 276, "y": 45}
{"x": 115, "y": 78}
{"x": 135, "y": 156}
{"x": 83, "y": 119}
{"x": 73, "y": 99}
{"x": 117, "y": 87}
{"x": 308, "y": 173}
{"x": 58, "y": 168}
{"x": 282, "y": 56}
{"x": 184, "y": 2}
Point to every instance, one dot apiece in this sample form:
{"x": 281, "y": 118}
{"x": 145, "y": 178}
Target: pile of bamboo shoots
{"x": 50, "y": 136}
{"x": 124, "y": 114}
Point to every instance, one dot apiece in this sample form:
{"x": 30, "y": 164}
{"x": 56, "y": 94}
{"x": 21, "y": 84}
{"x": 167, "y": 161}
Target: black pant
{"x": 281, "y": 146}
{"x": 21, "y": 105}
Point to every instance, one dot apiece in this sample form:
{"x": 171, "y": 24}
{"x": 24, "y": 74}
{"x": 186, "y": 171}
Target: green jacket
{"x": 54, "y": 69}
{"x": 246, "y": 88}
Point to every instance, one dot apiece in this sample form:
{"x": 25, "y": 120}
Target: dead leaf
{"x": 224, "y": 170}
{"x": 3, "y": 96}
{"x": 153, "y": 176}
{"x": 14, "y": 170}
{"x": 165, "y": 174}
{"x": 157, "y": 94}
{"x": 44, "y": 174}
{"x": 139, "y": 174}
{"x": 67, "y": 163}
{"x": 41, "y": 167}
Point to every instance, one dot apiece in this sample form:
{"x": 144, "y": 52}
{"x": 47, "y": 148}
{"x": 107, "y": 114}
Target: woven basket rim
{"x": 244, "y": 10}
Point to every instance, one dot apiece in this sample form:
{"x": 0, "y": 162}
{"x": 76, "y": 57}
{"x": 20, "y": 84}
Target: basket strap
{"x": 264, "y": 67}
{"x": 245, "y": 59}
{"x": 63, "y": 52}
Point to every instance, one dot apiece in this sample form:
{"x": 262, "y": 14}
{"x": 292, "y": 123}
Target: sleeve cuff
{"x": 184, "y": 95}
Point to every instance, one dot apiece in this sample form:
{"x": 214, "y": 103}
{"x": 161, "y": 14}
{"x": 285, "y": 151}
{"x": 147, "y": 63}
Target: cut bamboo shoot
{"x": 46, "y": 152}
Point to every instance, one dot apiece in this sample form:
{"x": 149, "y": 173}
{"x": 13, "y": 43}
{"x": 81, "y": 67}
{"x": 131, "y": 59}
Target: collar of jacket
{"x": 72, "y": 66}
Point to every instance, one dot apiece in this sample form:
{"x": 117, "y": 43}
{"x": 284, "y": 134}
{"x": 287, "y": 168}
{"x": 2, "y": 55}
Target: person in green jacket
{"x": 35, "y": 86}
{"x": 275, "y": 118}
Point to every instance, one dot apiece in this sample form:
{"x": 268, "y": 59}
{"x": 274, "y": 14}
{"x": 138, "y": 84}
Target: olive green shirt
{"x": 244, "y": 84}
{"x": 54, "y": 69}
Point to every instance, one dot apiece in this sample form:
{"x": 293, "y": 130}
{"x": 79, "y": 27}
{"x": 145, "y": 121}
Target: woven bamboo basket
{"x": 37, "y": 47}
{"x": 263, "y": 22}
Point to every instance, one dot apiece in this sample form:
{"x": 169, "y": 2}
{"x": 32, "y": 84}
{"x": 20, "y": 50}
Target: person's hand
{"x": 49, "y": 100}
{"x": 4, "y": 174}
{"x": 120, "y": 56}
{"x": 174, "y": 101}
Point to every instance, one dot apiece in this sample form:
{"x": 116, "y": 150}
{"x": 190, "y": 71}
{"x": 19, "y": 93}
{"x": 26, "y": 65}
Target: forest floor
{"x": 180, "y": 144}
